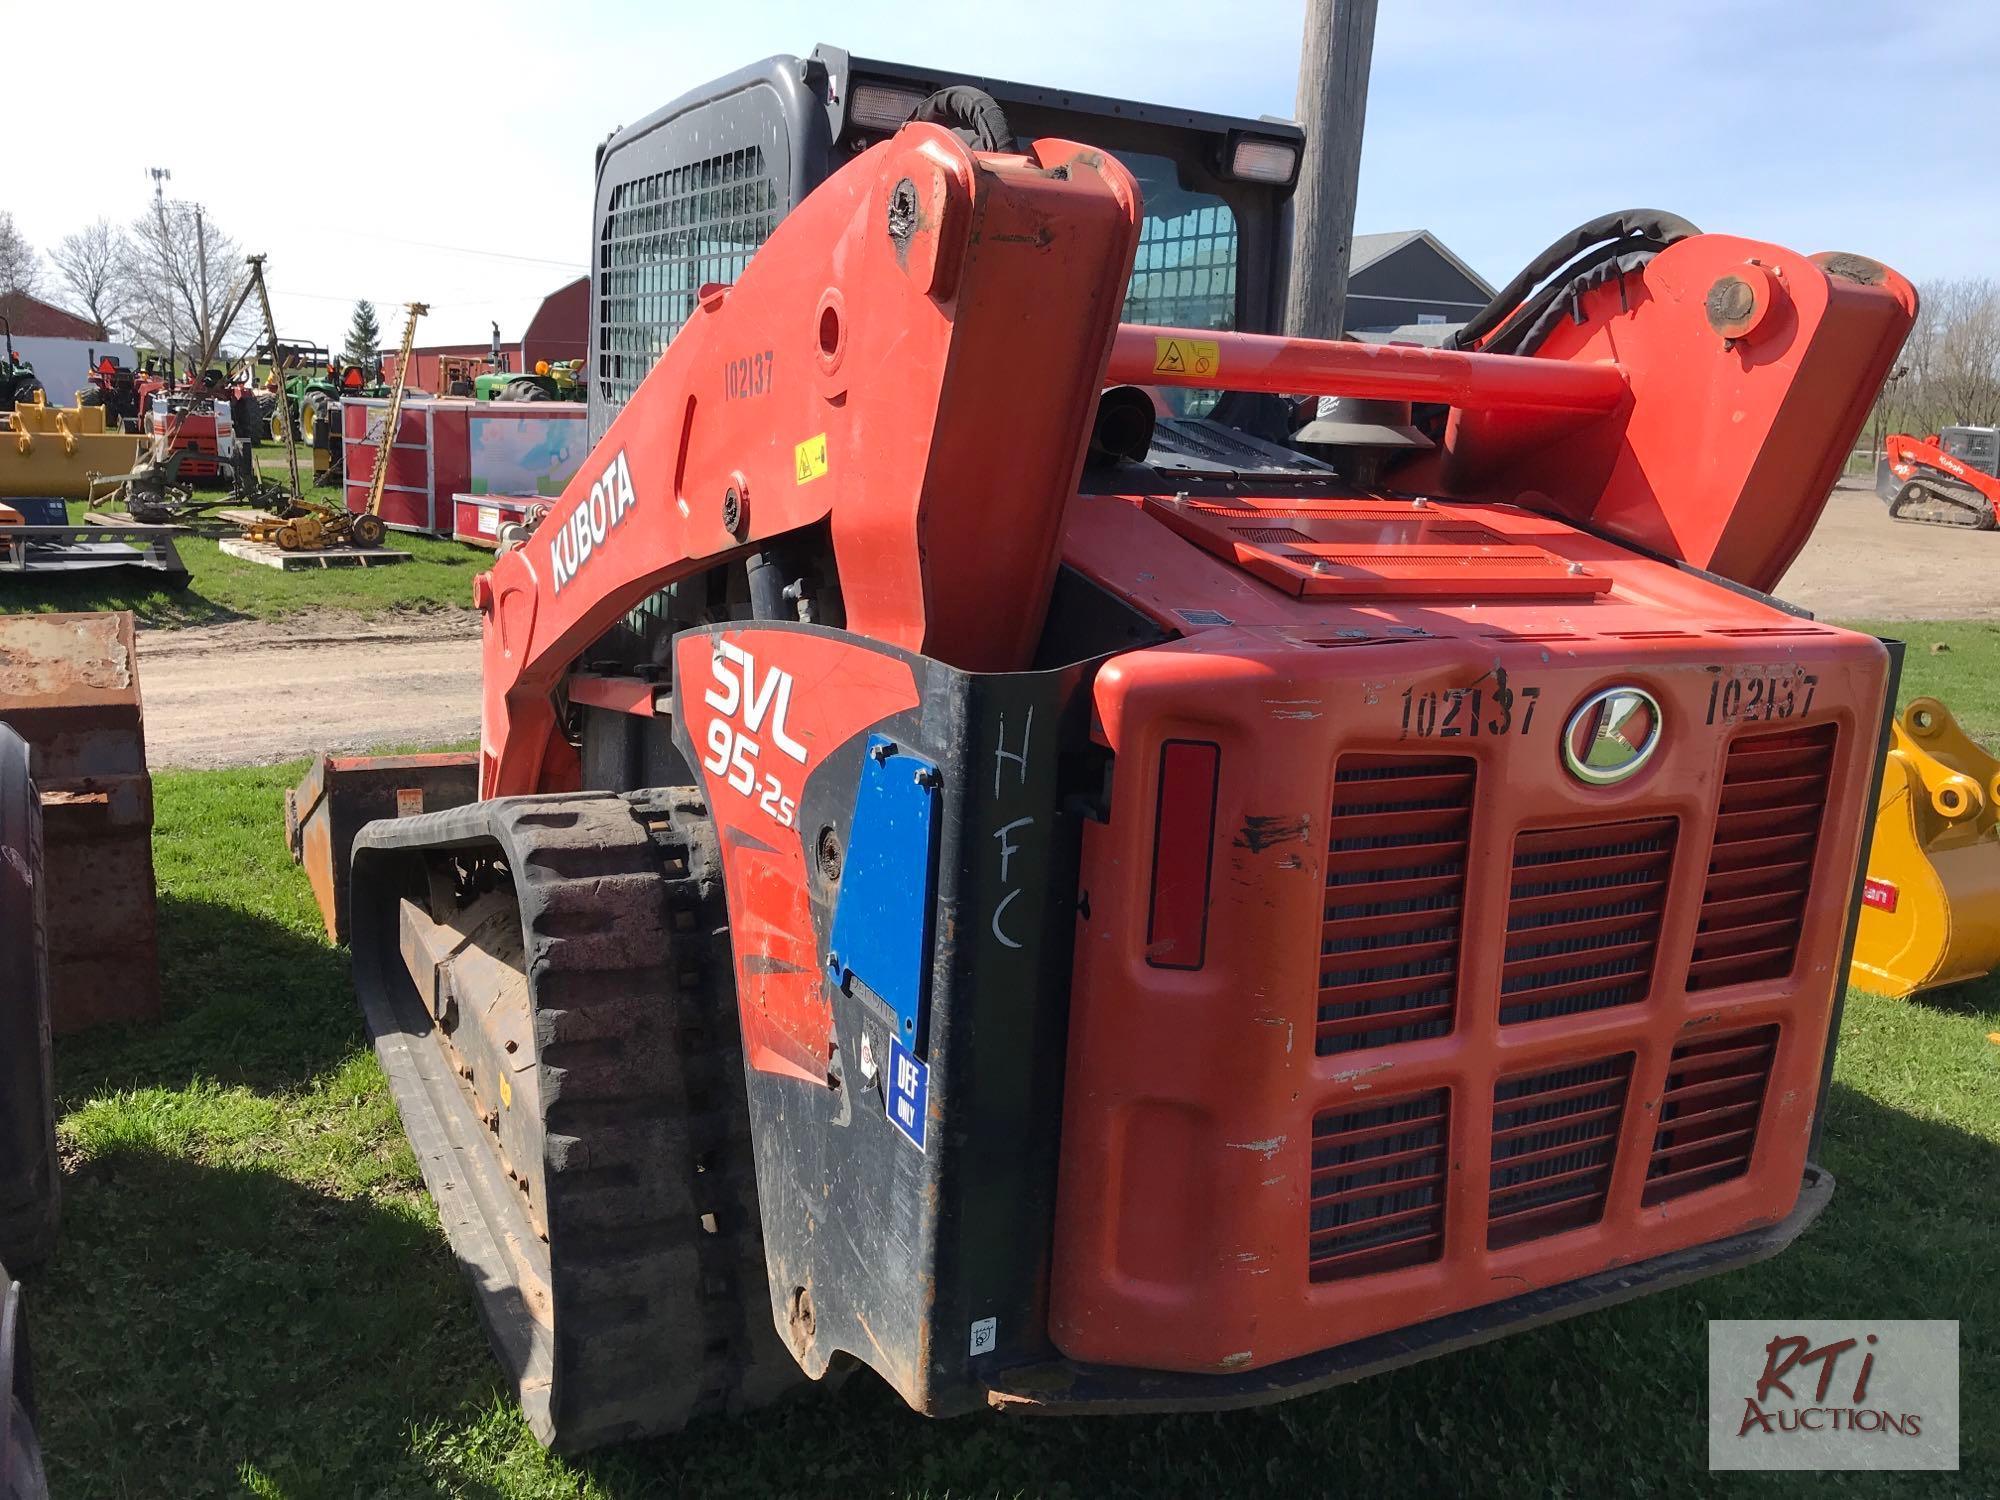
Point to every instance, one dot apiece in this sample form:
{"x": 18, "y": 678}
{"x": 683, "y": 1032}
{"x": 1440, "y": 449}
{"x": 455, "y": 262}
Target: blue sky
{"x": 1823, "y": 126}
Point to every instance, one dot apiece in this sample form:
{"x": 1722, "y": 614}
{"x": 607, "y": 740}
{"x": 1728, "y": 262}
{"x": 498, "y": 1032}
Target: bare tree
{"x": 183, "y": 279}
{"x": 1964, "y": 378}
{"x": 1948, "y": 373}
{"x": 20, "y": 267}
{"x": 90, "y": 263}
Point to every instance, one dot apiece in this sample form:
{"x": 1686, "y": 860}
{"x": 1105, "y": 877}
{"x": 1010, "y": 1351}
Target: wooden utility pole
{"x": 201, "y": 279}
{"x": 1332, "y": 105}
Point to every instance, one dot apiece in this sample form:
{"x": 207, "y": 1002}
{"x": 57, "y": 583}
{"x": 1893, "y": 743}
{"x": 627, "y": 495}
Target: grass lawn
{"x": 438, "y": 576}
{"x": 252, "y": 1295}
{"x": 1965, "y": 673}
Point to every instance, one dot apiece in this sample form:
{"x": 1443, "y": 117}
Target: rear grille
{"x": 1378, "y": 1187}
{"x": 1760, "y": 869}
{"x": 1395, "y": 878}
{"x": 1708, "y": 1114}
{"x": 1555, "y": 1137}
{"x": 1583, "y": 917}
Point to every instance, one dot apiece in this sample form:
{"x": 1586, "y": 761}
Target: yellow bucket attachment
{"x": 57, "y": 450}
{"x": 1930, "y": 906}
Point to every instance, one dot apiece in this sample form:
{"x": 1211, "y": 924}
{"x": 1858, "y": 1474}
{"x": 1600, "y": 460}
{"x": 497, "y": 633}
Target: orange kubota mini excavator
{"x": 999, "y": 865}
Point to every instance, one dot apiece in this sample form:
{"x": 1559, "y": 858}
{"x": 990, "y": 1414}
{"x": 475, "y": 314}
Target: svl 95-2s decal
{"x": 734, "y": 751}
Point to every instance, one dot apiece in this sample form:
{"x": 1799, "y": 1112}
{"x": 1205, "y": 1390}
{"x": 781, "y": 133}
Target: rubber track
{"x": 654, "y": 1260}
{"x": 1957, "y": 505}
{"x": 29, "y": 1177}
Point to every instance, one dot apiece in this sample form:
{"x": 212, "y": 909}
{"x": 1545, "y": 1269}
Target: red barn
{"x": 559, "y": 330}
{"x": 32, "y": 318}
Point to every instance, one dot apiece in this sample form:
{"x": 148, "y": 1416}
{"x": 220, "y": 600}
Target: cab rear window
{"x": 1184, "y": 275}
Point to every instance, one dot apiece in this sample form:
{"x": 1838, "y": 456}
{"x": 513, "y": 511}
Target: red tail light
{"x": 1183, "y": 835}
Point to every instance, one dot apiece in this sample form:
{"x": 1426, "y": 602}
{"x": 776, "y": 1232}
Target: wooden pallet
{"x": 119, "y": 520}
{"x": 270, "y": 556}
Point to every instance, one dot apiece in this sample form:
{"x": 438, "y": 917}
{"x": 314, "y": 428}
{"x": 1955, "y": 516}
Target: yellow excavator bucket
{"x": 56, "y": 450}
{"x": 1930, "y": 905}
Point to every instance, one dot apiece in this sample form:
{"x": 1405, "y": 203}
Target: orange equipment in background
{"x": 1950, "y": 478}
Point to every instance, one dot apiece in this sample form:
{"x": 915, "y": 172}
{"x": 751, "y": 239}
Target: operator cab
{"x": 688, "y": 194}
{"x": 1975, "y": 447}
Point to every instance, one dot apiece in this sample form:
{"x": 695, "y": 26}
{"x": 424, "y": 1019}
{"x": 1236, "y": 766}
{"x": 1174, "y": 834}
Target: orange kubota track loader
{"x": 1947, "y": 479}
{"x": 1078, "y": 904}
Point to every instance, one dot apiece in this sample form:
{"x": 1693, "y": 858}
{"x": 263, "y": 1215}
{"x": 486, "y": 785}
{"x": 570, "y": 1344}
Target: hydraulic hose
{"x": 1517, "y": 319}
{"x": 973, "y": 113}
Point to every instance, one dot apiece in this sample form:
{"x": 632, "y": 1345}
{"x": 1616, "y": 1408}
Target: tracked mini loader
{"x": 995, "y": 864}
{"x": 1950, "y": 478}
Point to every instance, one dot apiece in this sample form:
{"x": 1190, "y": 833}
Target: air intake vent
{"x": 1760, "y": 869}
{"x": 1270, "y": 533}
{"x": 1583, "y": 917}
{"x": 1555, "y": 1136}
{"x": 1378, "y": 1187}
{"x": 1395, "y": 882}
{"x": 1708, "y": 1114}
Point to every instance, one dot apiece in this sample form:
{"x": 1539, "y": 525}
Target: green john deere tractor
{"x": 562, "y": 381}
{"x": 489, "y": 379}
{"x": 19, "y": 385}
{"x": 315, "y": 384}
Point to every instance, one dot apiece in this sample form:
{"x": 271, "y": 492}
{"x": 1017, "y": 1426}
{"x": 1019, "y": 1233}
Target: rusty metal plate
{"x": 343, "y": 792}
{"x": 67, "y": 658}
{"x": 69, "y": 685}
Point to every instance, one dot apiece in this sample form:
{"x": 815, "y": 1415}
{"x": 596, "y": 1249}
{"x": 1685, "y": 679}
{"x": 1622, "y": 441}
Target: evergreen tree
{"x": 364, "y": 334}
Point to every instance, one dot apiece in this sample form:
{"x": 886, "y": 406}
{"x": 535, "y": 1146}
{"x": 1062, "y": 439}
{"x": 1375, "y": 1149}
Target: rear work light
{"x": 1259, "y": 159}
{"x": 1183, "y": 833}
{"x": 883, "y": 107}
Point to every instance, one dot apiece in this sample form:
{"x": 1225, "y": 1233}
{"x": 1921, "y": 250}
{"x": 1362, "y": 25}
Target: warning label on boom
{"x": 809, "y": 458}
{"x": 1182, "y": 356}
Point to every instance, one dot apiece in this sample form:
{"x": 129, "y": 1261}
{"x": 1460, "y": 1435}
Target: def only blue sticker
{"x": 909, "y": 1093}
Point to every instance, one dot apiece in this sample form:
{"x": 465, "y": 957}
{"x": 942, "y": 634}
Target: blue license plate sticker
{"x": 909, "y": 1094}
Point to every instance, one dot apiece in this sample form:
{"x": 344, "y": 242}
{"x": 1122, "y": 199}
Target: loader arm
{"x": 913, "y": 358}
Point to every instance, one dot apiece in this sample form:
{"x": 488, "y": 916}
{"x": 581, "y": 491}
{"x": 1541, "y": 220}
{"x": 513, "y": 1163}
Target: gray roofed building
{"x": 1408, "y": 279}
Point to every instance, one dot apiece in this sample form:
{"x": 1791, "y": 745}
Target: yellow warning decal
{"x": 506, "y": 1092}
{"x": 809, "y": 458}
{"x": 1178, "y": 356}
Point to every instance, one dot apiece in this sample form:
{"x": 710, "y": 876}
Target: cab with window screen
{"x": 1975, "y": 447}
{"x": 687, "y": 195}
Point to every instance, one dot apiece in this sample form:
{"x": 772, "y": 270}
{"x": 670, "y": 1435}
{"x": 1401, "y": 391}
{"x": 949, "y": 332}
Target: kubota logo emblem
{"x": 1611, "y": 735}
